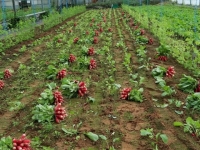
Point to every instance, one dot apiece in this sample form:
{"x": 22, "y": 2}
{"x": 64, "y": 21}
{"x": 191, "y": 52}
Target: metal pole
{"x": 66, "y": 3}
{"x": 15, "y": 15}
{"x": 4, "y": 15}
{"x": 42, "y": 5}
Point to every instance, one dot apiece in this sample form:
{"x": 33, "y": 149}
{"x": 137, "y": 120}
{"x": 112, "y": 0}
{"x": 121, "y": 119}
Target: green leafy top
{"x": 187, "y": 84}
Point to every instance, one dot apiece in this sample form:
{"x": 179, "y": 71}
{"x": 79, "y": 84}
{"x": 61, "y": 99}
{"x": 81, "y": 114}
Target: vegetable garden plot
{"x": 100, "y": 82}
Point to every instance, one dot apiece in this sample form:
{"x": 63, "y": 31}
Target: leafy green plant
{"x": 6, "y": 143}
{"x": 69, "y": 88}
{"x": 193, "y": 102}
{"x": 136, "y": 95}
{"x": 43, "y": 113}
{"x": 158, "y": 71}
{"x": 191, "y": 126}
{"x": 167, "y": 90}
{"x": 187, "y": 84}
{"x": 154, "y": 137}
{"x": 163, "y": 50}
{"x": 51, "y": 72}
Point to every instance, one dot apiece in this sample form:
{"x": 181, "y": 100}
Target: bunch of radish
{"x": 91, "y": 51}
{"x": 142, "y": 32}
{"x": 125, "y": 93}
{"x": 59, "y": 112}
{"x": 150, "y": 41}
{"x": 75, "y": 24}
{"x": 22, "y": 144}
{"x": 109, "y": 29}
{"x": 87, "y": 32}
{"x": 59, "y": 40}
{"x": 82, "y": 90}
{"x": 76, "y": 40}
{"x": 100, "y": 29}
{"x": 91, "y": 24}
{"x": 70, "y": 31}
{"x": 136, "y": 27}
{"x": 7, "y": 74}
{"x": 170, "y": 71}
{"x": 1, "y": 84}
{"x": 92, "y": 64}
{"x": 72, "y": 58}
{"x": 96, "y": 33}
{"x": 58, "y": 97}
{"x": 95, "y": 40}
{"x": 197, "y": 87}
{"x": 61, "y": 74}
{"x": 162, "y": 58}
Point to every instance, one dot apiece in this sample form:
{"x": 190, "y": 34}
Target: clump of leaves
{"x": 154, "y": 137}
{"x": 136, "y": 95}
{"x": 6, "y": 143}
{"x": 191, "y": 126}
{"x": 187, "y": 84}
{"x": 193, "y": 102}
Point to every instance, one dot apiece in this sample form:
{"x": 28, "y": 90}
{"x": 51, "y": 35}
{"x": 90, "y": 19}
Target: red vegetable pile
{"x": 1, "y": 84}
{"x": 91, "y": 51}
{"x": 22, "y": 144}
{"x": 124, "y": 93}
{"x": 110, "y": 29}
{"x": 100, "y": 29}
{"x": 7, "y": 74}
{"x": 60, "y": 113}
{"x": 87, "y": 32}
{"x": 96, "y": 33}
{"x": 58, "y": 97}
{"x": 197, "y": 87}
{"x": 82, "y": 89}
{"x": 142, "y": 32}
{"x": 92, "y": 64}
{"x": 170, "y": 72}
{"x": 95, "y": 41}
{"x": 150, "y": 41}
{"x": 72, "y": 58}
{"x": 162, "y": 58}
{"x": 76, "y": 40}
{"x": 61, "y": 74}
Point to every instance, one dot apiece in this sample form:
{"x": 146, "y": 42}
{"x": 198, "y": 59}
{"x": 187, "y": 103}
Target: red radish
{"x": 58, "y": 97}
{"x": 150, "y": 41}
{"x": 91, "y": 24}
{"x": 96, "y": 33}
{"x": 92, "y": 64}
{"x": 72, "y": 58}
{"x": 136, "y": 27}
{"x": 101, "y": 29}
{"x": 61, "y": 74}
{"x": 91, "y": 51}
{"x": 124, "y": 93}
{"x": 75, "y": 24}
{"x": 22, "y": 144}
{"x": 76, "y": 40}
{"x": 170, "y": 72}
{"x": 59, "y": 40}
{"x": 95, "y": 41}
{"x": 197, "y": 87}
{"x": 7, "y": 74}
{"x": 70, "y": 31}
{"x": 142, "y": 32}
{"x": 110, "y": 29}
{"x": 82, "y": 89}
{"x": 104, "y": 20}
{"x": 60, "y": 113}
{"x": 1, "y": 84}
{"x": 87, "y": 32}
{"x": 162, "y": 58}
